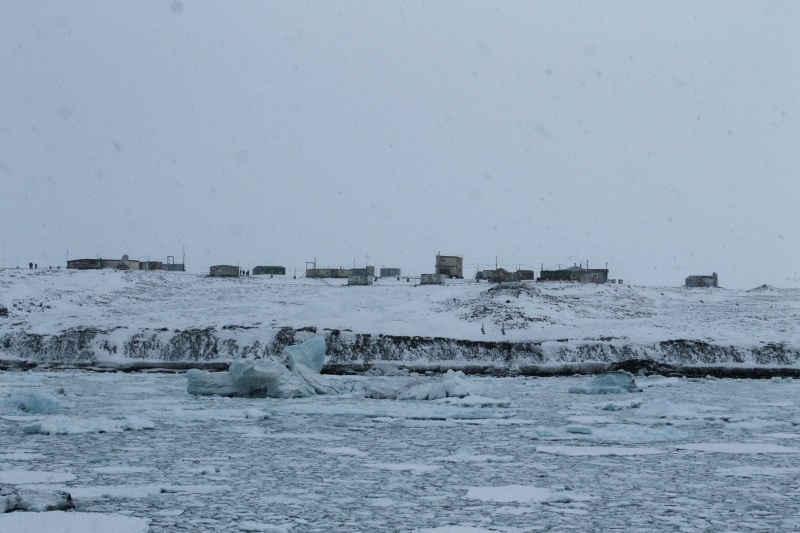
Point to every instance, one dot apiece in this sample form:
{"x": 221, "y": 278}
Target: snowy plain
{"x": 155, "y": 307}
{"x": 681, "y": 455}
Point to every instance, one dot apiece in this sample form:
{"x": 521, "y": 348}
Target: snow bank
{"x": 619, "y": 382}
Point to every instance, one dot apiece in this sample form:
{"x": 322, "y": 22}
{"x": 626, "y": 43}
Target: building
{"x": 151, "y": 265}
{"x": 338, "y": 272}
{"x": 390, "y": 272}
{"x": 361, "y": 279}
{"x": 172, "y": 266}
{"x": 703, "y": 281}
{"x": 273, "y": 270}
{"x": 502, "y": 275}
{"x": 85, "y": 264}
{"x": 451, "y": 266}
{"x": 224, "y": 271}
{"x": 328, "y": 272}
{"x": 576, "y": 273}
{"x": 432, "y": 279}
{"x": 119, "y": 264}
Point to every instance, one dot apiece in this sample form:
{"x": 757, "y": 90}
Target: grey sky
{"x": 660, "y": 137}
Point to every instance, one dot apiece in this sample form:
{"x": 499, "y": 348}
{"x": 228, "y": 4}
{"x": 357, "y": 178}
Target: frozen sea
{"x": 527, "y": 455}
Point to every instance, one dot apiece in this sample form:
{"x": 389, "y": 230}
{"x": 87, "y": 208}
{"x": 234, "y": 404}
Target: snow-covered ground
{"x": 526, "y": 455}
{"x": 139, "y": 314}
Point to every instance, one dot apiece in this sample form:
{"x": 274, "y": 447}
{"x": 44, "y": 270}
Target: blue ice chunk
{"x": 34, "y": 402}
{"x": 310, "y": 354}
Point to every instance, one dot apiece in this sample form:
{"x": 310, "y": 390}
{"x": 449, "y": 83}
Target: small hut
{"x": 224, "y": 271}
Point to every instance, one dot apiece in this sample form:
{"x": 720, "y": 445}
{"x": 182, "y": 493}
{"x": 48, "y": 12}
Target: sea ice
{"x": 309, "y": 354}
{"x": 268, "y": 378}
{"x": 454, "y": 529}
{"x": 303, "y": 379}
{"x": 451, "y": 385}
{"x": 750, "y": 471}
{"x": 737, "y": 447}
{"x": 662, "y": 408}
{"x": 618, "y": 382}
{"x": 33, "y": 402}
{"x": 524, "y": 494}
{"x": 64, "y": 425}
{"x": 463, "y": 457}
{"x": 353, "y": 452}
{"x": 21, "y": 455}
{"x": 34, "y": 499}
{"x": 71, "y": 521}
{"x": 597, "y": 450}
{"x": 27, "y": 477}
{"x": 620, "y": 406}
{"x": 610, "y": 433}
{"x": 415, "y": 468}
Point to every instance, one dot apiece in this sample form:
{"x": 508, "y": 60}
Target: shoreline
{"x": 644, "y": 367}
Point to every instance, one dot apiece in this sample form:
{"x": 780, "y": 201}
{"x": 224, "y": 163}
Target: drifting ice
{"x": 618, "y": 382}
{"x": 34, "y": 403}
{"x": 302, "y": 379}
{"x": 269, "y": 379}
{"x": 451, "y": 385}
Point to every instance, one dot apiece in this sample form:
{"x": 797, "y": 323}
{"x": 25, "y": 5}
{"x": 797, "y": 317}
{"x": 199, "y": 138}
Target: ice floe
{"x": 33, "y": 402}
{"x": 524, "y": 494}
{"x": 352, "y": 452}
{"x": 33, "y": 498}
{"x": 415, "y": 468}
{"x": 61, "y": 521}
{"x": 25, "y": 477}
{"x": 619, "y": 382}
{"x": 302, "y": 379}
{"x": 463, "y": 457}
{"x": 64, "y": 425}
{"x": 452, "y": 384}
{"x": 751, "y": 471}
{"x": 598, "y": 450}
{"x": 610, "y": 433}
{"x": 737, "y": 447}
{"x": 662, "y": 408}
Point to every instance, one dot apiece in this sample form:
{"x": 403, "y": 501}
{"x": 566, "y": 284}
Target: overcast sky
{"x": 662, "y": 138}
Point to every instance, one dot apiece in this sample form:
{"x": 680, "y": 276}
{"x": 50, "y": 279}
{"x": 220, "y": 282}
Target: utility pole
{"x": 4, "y": 255}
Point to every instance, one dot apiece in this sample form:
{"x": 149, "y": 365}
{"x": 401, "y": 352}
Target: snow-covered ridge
{"x": 69, "y": 317}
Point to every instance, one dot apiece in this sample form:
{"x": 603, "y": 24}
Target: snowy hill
{"x": 61, "y": 316}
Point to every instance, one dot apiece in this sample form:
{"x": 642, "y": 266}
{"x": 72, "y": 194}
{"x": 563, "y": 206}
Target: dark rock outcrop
{"x": 347, "y": 350}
